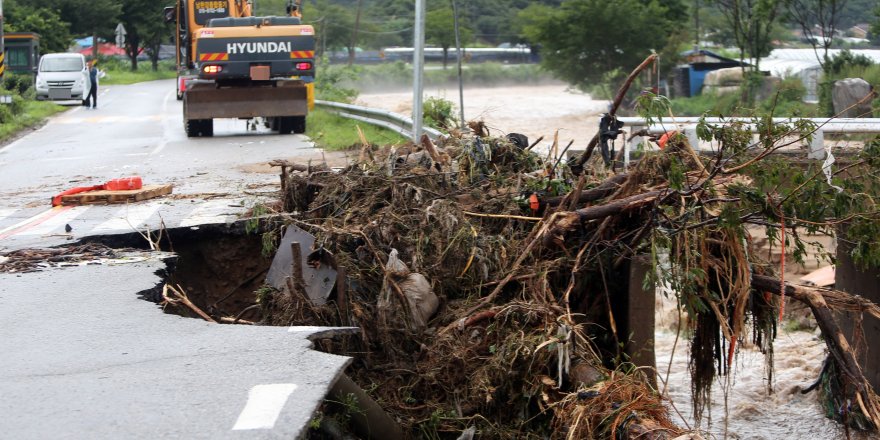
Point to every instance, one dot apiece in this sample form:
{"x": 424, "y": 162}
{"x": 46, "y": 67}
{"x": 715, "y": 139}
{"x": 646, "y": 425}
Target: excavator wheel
{"x": 299, "y": 124}
{"x": 285, "y": 125}
{"x": 192, "y": 127}
{"x": 207, "y": 127}
{"x": 199, "y": 127}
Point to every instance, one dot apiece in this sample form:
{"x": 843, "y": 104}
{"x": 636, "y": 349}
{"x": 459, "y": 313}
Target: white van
{"x": 63, "y": 77}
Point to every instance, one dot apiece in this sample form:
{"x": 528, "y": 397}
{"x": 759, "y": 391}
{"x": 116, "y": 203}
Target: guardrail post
{"x": 691, "y": 134}
{"x": 817, "y": 145}
{"x": 633, "y": 144}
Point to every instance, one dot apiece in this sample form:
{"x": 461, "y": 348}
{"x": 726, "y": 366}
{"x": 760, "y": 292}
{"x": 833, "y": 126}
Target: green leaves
{"x": 582, "y": 39}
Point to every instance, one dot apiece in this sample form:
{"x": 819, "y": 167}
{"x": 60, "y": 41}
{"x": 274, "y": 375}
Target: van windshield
{"x": 61, "y": 65}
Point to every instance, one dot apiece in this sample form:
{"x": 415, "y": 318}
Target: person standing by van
{"x": 92, "y": 99}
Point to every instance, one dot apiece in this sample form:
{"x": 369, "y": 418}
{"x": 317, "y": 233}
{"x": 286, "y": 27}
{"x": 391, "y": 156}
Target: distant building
{"x": 802, "y": 63}
{"x": 689, "y": 77}
{"x": 22, "y": 52}
{"x": 859, "y": 31}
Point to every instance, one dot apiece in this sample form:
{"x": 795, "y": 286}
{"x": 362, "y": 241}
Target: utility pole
{"x": 418, "y": 69}
{"x": 354, "y": 35}
{"x": 460, "y": 78}
{"x": 696, "y": 24}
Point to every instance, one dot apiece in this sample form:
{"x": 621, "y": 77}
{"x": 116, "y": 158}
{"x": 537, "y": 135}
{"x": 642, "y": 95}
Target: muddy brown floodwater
{"x": 531, "y": 110}
{"x": 752, "y": 412}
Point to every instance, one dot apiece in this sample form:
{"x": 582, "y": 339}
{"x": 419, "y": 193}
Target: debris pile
{"x": 34, "y": 260}
{"x": 484, "y": 279}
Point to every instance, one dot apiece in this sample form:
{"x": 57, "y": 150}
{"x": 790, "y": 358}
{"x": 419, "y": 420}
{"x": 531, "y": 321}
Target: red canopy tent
{"x": 105, "y": 49}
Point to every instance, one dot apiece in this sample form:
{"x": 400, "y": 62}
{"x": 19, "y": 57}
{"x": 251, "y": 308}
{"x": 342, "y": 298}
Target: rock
{"x": 584, "y": 373}
{"x": 846, "y": 93}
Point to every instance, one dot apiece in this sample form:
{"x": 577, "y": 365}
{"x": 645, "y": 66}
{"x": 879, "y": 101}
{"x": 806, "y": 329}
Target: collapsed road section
{"x": 84, "y": 357}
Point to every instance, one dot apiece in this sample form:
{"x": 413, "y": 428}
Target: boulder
{"x": 846, "y": 96}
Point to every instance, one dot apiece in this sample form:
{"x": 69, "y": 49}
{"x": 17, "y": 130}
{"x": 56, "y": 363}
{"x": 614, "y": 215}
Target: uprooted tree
{"x": 525, "y": 259}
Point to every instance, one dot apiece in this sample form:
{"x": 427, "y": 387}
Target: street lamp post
{"x": 418, "y": 69}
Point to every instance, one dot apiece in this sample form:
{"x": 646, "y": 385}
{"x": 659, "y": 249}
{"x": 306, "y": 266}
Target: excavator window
{"x": 205, "y": 10}
{"x": 170, "y": 14}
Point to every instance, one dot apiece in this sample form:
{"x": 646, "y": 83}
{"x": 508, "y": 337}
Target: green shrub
{"x": 18, "y": 104}
{"x": 21, "y": 84}
{"x": 715, "y": 104}
{"x": 330, "y": 83}
{"x": 439, "y": 113}
{"x": 845, "y": 65}
{"x": 6, "y": 114}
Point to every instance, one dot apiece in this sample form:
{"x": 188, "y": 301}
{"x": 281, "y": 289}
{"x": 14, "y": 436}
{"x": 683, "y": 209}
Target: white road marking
{"x": 57, "y": 222}
{"x": 304, "y": 329}
{"x": 264, "y": 405}
{"x": 7, "y": 231}
{"x": 6, "y": 213}
{"x": 129, "y": 218}
{"x": 166, "y": 129}
{"x": 214, "y": 211}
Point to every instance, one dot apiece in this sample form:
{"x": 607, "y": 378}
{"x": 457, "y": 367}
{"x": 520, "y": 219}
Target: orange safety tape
{"x": 214, "y": 57}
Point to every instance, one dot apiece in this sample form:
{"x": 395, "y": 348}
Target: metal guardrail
{"x": 390, "y": 120}
{"x": 688, "y": 125}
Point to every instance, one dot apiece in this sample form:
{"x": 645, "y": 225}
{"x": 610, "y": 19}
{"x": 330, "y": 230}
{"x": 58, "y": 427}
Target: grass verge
{"x": 35, "y": 112}
{"x": 125, "y": 77}
{"x": 332, "y": 132}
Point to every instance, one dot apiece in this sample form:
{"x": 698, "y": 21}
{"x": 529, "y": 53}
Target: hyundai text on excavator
{"x": 234, "y": 65}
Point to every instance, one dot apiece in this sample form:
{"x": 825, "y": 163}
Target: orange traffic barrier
{"x": 665, "y": 138}
{"x": 122, "y": 184}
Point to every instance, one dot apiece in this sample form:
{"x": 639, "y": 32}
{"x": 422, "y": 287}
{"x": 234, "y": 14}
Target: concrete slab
{"x": 83, "y": 357}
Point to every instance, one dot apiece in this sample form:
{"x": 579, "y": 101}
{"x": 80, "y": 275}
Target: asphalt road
{"x": 81, "y": 355}
{"x": 136, "y": 130}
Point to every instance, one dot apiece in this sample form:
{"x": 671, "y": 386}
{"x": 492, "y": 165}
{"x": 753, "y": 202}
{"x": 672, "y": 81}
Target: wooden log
{"x": 837, "y": 343}
{"x": 604, "y": 189}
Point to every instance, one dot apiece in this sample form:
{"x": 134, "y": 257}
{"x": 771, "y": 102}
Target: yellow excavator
{"x": 234, "y": 65}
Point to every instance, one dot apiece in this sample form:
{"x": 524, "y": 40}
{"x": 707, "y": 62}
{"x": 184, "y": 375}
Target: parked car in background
{"x": 62, "y": 77}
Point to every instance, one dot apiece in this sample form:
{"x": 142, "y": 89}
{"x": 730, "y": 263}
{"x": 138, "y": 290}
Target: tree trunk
{"x": 154, "y": 57}
{"x": 354, "y": 34}
{"x": 95, "y": 45}
{"x": 131, "y": 49}
{"x": 445, "y": 56}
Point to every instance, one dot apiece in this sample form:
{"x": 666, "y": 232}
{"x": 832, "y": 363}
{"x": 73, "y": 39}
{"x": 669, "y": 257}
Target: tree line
{"x": 580, "y": 40}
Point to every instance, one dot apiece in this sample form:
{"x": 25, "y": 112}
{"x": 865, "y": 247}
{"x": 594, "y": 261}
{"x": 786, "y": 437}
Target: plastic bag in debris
{"x": 423, "y": 303}
{"x": 420, "y": 298}
{"x": 394, "y": 266}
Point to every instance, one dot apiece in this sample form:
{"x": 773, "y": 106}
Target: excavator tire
{"x": 299, "y": 124}
{"x": 199, "y": 127}
{"x": 207, "y": 127}
{"x": 191, "y": 126}
{"x": 285, "y": 125}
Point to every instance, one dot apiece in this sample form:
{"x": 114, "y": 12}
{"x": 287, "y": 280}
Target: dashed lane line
{"x": 264, "y": 405}
{"x": 34, "y": 221}
{"x": 131, "y": 217}
{"x": 214, "y": 211}
{"x": 55, "y": 223}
